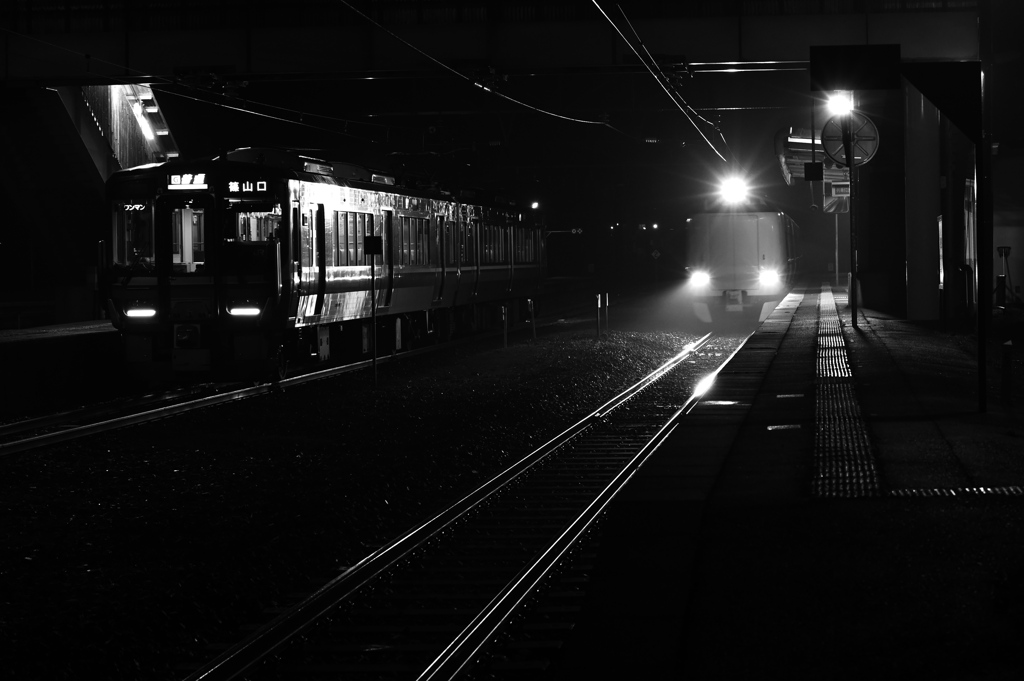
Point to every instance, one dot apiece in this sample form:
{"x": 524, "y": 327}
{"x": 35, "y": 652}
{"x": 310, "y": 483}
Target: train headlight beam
{"x": 733, "y": 190}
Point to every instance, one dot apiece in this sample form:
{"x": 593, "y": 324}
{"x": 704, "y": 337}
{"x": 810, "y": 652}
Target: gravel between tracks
{"x": 131, "y": 552}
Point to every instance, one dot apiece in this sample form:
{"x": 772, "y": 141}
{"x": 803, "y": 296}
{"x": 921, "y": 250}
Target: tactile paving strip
{"x": 1012, "y": 491}
{"x": 843, "y": 463}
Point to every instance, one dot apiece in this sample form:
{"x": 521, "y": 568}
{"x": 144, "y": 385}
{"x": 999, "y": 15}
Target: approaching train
{"x": 740, "y": 261}
{"x": 259, "y": 257}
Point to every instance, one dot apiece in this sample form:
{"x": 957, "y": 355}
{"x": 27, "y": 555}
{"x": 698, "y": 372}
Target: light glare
{"x": 734, "y": 190}
{"x": 140, "y": 312}
{"x": 704, "y": 385}
{"x": 767, "y": 277}
{"x": 700, "y": 278}
{"x": 840, "y": 104}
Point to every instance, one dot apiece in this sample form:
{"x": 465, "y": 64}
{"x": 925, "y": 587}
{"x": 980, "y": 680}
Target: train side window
{"x": 404, "y": 240}
{"x": 449, "y": 242}
{"x": 422, "y": 241}
{"x": 339, "y": 240}
{"x": 330, "y": 249}
{"x": 350, "y": 239}
{"x": 362, "y": 229}
{"x": 433, "y": 237}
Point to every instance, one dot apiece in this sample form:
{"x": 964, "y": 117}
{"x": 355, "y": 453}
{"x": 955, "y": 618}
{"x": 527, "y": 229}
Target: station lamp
{"x": 840, "y": 103}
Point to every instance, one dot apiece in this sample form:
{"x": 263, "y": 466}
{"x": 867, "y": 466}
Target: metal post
{"x": 1007, "y": 376}
{"x": 504, "y": 327}
{"x": 836, "y": 261}
{"x": 607, "y": 302}
{"x": 598, "y": 315}
{"x": 533, "y": 321}
{"x": 373, "y": 315}
{"x": 848, "y": 150}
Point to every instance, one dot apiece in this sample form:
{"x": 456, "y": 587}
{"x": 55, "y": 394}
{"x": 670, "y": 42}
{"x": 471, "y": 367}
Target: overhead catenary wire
{"x": 659, "y": 80}
{"x": 467, "y": 78}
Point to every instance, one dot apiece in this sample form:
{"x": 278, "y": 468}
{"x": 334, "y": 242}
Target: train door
{"x": 508, "y": 249}
{"x": 435, "y": 256}
{"x": 390, "y": 255}
{"x": 306, "y": 251}
{"x": 769, "y": 244}
{"x": 320, "y": 255}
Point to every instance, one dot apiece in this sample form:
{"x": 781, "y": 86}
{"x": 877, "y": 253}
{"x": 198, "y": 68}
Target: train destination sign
{"x": 188, "y": 181}
{"x": 246, "y": 186}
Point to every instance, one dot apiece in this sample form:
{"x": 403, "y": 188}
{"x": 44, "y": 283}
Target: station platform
{"x": 840, "y": 505}
{"x": 48, "y": 367}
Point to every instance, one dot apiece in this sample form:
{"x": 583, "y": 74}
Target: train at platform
{"x": 259, "y": 259}
{"x": 741, "y": 260}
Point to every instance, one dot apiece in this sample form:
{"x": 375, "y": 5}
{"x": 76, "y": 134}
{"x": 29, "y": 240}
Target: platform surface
{"x": 803, "y": 525}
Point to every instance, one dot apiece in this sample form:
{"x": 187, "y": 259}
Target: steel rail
{"x": 486, "y": 625}
{"x": 266, "y": 640}
{"x": 76, "y": 432}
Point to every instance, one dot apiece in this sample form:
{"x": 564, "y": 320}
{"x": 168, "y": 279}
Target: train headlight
{"x": 768, "y": 277}
{"x": 140, "y": 311}
{"x": 733, "y": 190}
{"x": 243, "y": 308}
{"x": 700, "y": 278}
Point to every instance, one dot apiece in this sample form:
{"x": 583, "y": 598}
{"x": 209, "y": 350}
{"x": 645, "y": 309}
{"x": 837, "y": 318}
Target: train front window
{"x": 133, "y": 233}
{"x": 248, "y": 229}
{"x": 188, "y": 239}
{"x": 252, "y": 222}
{"x": 182, "y": 234}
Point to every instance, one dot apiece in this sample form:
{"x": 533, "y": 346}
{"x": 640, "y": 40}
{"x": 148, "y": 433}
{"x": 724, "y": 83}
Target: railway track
{"x": 44, "y": 431}
{"x": 430, "y": 604}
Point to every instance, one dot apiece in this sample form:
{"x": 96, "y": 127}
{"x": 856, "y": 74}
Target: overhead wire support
{"x": 659, "y": 80}
{"x": 161, "y": 84}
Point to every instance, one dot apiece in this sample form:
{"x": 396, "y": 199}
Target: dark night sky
{"x": 438, "y": 125}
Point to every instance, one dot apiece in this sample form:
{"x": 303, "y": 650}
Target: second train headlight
{"x": 140, "y": 310}
{"x": 768, "y": 277}
{"x": 700, "y": 278}
{"x": 243, "y": 308}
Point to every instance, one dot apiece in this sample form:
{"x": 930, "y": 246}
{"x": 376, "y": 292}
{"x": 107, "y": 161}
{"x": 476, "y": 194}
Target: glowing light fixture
{"x": 768, "y": 277}
{"x": 147, "y": 131}
{"x": 243, "y": 309}
{"x": 535, "y": 205}
{"x": 140, "y": 312}
{"x": 841, "y": 103}
{"x": 733, "y": 190}
{"x": 700, "y": 278}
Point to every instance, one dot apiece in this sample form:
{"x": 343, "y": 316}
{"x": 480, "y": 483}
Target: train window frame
{"x": 252, "y": 207}
{"x": 202, "y": 211}
{"x": 127, "y": 216}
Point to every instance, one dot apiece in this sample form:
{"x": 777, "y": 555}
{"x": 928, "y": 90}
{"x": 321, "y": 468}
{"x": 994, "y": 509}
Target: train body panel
{"x": 245, "y": 257}
{"x": 740, "y": 261}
